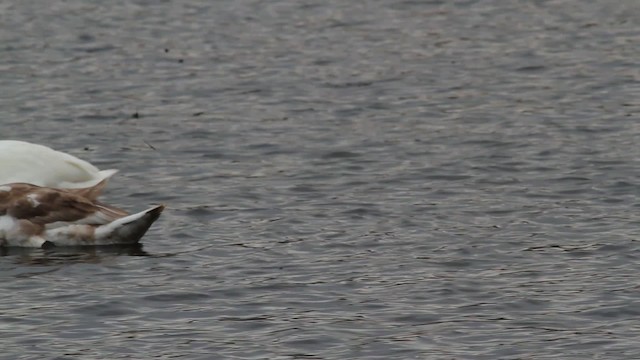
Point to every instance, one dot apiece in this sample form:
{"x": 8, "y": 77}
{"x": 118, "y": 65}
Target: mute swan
{"x": 40, "y": 165}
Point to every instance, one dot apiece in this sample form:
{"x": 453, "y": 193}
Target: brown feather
{"x": 42, "y": 205}
{"x": 90, "y": 193}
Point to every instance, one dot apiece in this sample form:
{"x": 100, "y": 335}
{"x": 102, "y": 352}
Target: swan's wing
{"x": 40, "y": 165}
{"x": 46, "y": 206}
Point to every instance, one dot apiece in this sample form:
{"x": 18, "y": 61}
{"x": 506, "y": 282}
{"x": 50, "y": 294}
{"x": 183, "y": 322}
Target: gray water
{"x": 343, "y": 179}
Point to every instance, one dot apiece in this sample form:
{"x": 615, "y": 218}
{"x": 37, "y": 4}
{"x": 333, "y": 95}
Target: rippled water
{"x": 372, "y": 179}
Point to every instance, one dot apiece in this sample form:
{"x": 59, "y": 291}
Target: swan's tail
{"x": 129, "y": 229}
{"x": 125, "y": 230}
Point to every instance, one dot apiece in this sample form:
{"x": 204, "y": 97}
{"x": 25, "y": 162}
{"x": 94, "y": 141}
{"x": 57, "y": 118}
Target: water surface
{"x": 344, "y": 180}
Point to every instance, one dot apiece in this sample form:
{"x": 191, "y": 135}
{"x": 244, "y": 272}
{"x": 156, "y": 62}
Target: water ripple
{"x": 343, "y": 180}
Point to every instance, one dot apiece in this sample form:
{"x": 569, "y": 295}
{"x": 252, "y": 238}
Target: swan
{"x": 35, "y": 216}
{"x": 35, "y": 164}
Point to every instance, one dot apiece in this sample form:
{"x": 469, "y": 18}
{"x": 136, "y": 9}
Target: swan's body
{"x": 39, "y": 165}
{"x": 33, "y": 216}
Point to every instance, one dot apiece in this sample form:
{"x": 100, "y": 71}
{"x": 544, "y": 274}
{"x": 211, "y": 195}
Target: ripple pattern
{"x": 344, "y": 180}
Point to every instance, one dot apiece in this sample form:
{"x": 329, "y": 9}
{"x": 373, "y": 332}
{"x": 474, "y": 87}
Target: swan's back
{"x": 39, "y": 165}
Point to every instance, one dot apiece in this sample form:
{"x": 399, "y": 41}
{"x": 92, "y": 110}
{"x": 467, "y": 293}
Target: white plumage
{"x": 40, "y": 165}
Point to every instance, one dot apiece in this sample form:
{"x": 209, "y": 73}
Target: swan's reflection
{"x": 71, "y": 254}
